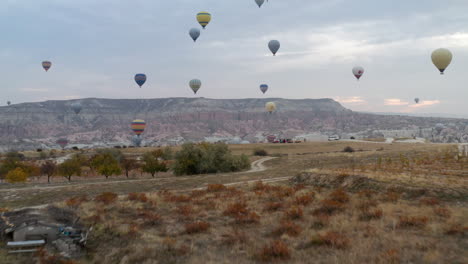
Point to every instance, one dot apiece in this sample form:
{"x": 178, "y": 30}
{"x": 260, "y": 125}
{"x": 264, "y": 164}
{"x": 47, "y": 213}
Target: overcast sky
{"x": 97, "y": 46}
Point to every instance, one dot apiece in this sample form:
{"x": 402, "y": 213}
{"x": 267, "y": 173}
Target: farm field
{"x": 382, "y": 203}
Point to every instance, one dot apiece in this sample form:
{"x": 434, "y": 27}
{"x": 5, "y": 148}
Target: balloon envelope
{"x": 263, "y": 88}
{"x": 204, "y": 18}
{"x": 270, "y": 107}
{"x": 46, "y": 65}
{"x": 8, "y": 103}
{"x": 441, "y": 59}
{"x": 63, "y": 142}
{"x": 140, "y": 79}
{"x": 259, "y": 2}
{"x": 195, "y": 84}
{"x": 138, "y": 126}
{"x": 358, "y": 71}
{"x": 76, "y": 107}
{"x": 416, "y": 100}
{"x": 194, "y": 34}
{"x": 274, "y": 46}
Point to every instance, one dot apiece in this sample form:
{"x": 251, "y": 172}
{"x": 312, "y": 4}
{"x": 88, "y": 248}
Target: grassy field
{"x": 383, "y": 203}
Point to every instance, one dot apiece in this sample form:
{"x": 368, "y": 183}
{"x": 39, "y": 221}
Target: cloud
{"x": 425, "y": 104}
{"x": 35, "y": 90}
{"x": 351, "y": 100}
{"x": 395, "y": 102}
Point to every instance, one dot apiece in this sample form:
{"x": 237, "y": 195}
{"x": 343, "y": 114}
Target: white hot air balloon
{"x": 270, "y": 107}
{"x": 358, "y": 71}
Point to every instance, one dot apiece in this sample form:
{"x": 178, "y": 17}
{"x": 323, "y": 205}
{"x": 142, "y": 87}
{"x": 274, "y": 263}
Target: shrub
{"x": 271, "y": 207}
{"x": 304, "y": 199}
{"x": 141, "y": 197}
{"x": 289, "y": 228}
{"x": 367, "y": 215}
{"x": 457, "y": 230}
{"x": 413, "y": 221}
{"x": 207, "y": 158}
{"x": 277, "y": 250}
{"x": 75, "y": 202}
{"x": 340, "y": 196}
{"x": 106, "y": 197}
{"x": 149, "y": 218}
{"x": 216, "y": 188}
{"x": 234, "y": 237}
{"x": 329, "y": 207}
{"x": 294, "y": 213}
{"x": 331, "y": 239}
{"x": 196, "y": 227}
{"x": 241, "y": 214}
{"x": 442, "y": 212}
{"x": 260, "y": 152}
{"x": 430, "y": 201}
{"x": 17, "y": 175}
{"x": 348, "y": 149}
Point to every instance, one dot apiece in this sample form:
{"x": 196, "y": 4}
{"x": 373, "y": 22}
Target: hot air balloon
{"x": 259, "y": 2}
{"x": 270, "y": 107}
{"x": 8, "y": 103}
{"x": 63, "y": 142}
{"x": 138, "y": 126}
{"x": 203, "y": 18}
{"x": 263, "y": 88}
{"x": 274, "y": 46}
{"x": 439, "y": 127}
{"x": 137, "y": 140}
{"x": 195, "y": 84}
{"x": 46, "y": 65}
{"x": 194, "y": 34}
{"x": 416, "y": 100}
{"x": 441, "y": 59}
{"x": 358, "y": 71}
{"x": 140, "y": 79}
{"x": 76, "y": 107}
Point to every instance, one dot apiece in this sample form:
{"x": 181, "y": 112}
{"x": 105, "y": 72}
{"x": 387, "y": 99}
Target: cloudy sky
{"x": 97, "y": 46}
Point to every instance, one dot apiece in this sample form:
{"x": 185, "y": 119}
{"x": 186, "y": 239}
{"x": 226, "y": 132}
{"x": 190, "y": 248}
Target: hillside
{"x": 175, "y": 120}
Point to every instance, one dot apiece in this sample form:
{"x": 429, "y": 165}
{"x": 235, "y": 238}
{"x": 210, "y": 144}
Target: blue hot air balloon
{"x": 140, "y": 79}
{"x": 263, "y": 88}
{"x": 274, "y": 46}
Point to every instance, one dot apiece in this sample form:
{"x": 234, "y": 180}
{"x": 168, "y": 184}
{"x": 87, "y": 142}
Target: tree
{"x": 11, "y": 161}
{"x": 49, "y": 168}
{"x": 152, "y": 163}
{"x": 69, "y": 168}
{"x": 16, "y": 175}
{"x": 106, "y": 164}
{"x": 128, "y": 165}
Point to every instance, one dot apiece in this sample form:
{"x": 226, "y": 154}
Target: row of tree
{"x": 191, "y": 159}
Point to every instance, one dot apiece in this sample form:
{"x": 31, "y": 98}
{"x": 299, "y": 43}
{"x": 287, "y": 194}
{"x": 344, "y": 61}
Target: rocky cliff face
{"x": 31, "y": 125}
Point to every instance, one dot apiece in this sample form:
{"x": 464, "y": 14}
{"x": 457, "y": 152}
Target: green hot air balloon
{"x": 195, "y": 85}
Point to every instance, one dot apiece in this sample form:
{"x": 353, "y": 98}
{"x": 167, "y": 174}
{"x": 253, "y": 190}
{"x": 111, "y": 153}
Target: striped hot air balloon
{"x": 138, "y": 126}
{"x": 203, "y": 18}
{"x": 195, "y": 84}
{"x": 140, "y": 79}
{"x": 46, "y": 65}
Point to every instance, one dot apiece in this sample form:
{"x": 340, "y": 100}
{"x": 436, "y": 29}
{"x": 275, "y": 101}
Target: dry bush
{"x": 457, "y": 229}
{"x": 320, "y": 221}
{"x": 149, "y": 218}
{"x": 283, "y": 192}
{"x": 196, "y": 227}
{"x": 294, "y": 213}
{"x": 329, "y": 207}
{"x": 391, "y": 256}
{"x": 339, "y": 195}
{"x": 276, "y": 250}
{"x": 369, "y": 194}
{"x": 366, "y": 204}
{"x": 331, "y": 239}
{"x": 197, "y": 193}
{"x": 412, "y": 221}
{"x": 241, "y": 214}
{"x": 216, "y": 188}
{"x": 184, "y": 210}
{"x": 273, "y": 206}
{"x": 430, "y": 201}
{"x": 370, "y": 214}
{"x": 442, "y": 212}
{"x": 106, "y": 197}
{"x": 177, "y": 198}
{"x": 391, "y": 197}
{"x": 75, "y": 202}
{"x": 304, "y": 199}
{"x": 140, "y": 197}
{"x": 289, "y": 228}
{"x": 234, "y": 237}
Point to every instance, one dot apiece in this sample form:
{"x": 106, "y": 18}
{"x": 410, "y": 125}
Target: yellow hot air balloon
{"x": 441, "y": 59}
{"x": 203, "y": 18}
{"x": 270, "y": 107}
